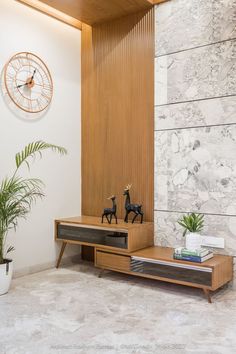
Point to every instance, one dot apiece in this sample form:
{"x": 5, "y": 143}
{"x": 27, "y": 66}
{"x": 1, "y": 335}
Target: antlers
{"x": 128, "y": 187}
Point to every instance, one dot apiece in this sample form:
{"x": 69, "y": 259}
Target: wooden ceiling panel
{"x": 156, "y": 2}
{"x": 94, "y": 11}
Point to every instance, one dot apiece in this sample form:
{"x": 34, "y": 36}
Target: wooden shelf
{"x": 96, "y": 222}
{"x": 166, "y": 254}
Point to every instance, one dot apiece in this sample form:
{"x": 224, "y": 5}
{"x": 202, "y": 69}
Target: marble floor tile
{"x": 73, "y": 311}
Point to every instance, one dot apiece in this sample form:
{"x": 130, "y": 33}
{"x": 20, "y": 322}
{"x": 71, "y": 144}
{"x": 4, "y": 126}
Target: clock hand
{"x": 29, "y": 82}
{"x": 22, "y": 85}
{"x": 32, "y": 77}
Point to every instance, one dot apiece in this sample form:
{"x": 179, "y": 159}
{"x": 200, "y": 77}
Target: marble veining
{"x": 196, "y": 74}
{"x": 195, "y": 116}
{"x": 197, "y": 113}
{"x": 73, "y": 311}
{"x": 184, "y": 24}
{"x": 169, "y": 233}
{"x": 195, "y": 170}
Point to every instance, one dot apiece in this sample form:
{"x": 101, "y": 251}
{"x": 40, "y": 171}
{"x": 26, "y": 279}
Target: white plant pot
{"x": 6, "y": 270}
{"x": 193, "y": 241}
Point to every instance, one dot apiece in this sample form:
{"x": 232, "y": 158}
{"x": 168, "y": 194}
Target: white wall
{"x": 59, "y": 45}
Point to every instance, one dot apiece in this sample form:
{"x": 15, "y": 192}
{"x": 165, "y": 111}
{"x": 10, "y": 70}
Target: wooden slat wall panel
{"x": 118, "y": 113}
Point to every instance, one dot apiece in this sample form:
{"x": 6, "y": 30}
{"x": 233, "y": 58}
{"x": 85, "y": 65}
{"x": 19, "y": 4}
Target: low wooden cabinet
{"x": 158, "y": 263}
{"x": 128, "y": 248}
{"x": 89, "y": 231}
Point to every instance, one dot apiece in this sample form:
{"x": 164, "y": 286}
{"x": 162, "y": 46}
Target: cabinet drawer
{"x": 97, "y": 235}
{"x": 173, "y": 271}
{"x": 113, "y": 261}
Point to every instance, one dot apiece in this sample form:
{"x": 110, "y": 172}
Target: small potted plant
{"x": 192, "y": 224}
{"x": 17, "y": 194}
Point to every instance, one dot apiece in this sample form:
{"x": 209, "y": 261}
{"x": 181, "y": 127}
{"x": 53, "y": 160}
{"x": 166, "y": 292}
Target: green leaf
{"x": 36, "y": 148}
{"x": 17, "y": 195}
{"x": 10, "y": 249}
{"x": 181, "y": 224}
{"x": 192, "y": 222}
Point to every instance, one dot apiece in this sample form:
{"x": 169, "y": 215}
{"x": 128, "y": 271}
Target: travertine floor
{"x": 72, "y": 311}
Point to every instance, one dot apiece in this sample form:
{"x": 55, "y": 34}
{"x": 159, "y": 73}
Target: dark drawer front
{"x": 97, "y": 236}
{"x": 172, "y": 272}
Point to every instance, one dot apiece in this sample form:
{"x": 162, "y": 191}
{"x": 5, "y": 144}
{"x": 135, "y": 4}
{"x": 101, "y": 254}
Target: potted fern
{"x": 17, "y": 194}
{"x": 192, "y": 224}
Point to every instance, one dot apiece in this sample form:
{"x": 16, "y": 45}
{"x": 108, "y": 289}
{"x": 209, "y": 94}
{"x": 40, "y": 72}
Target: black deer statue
{"x": 109, "y": 212}
{"x": 135, "y": 208}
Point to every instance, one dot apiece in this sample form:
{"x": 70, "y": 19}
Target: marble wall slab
{"x": 195, "y": 118}
{"x": 196, "y": 113}
{"x": 200, "y": 73}
{"x": 195, "y": 170}
{"x": 184, "y": 24}
{"x": 168, "y": 232}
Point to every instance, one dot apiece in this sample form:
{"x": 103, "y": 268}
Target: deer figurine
{"x": 135, "y": 208}
{"x": 110, "y": 211}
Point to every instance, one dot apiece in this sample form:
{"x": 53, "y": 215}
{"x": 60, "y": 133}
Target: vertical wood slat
{"x": 118, "y": 113}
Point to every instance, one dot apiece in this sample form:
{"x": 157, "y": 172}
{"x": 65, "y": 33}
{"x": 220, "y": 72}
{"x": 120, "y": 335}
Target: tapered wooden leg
{"x": 63, "y": 246}
{"x": 208, "y": 296}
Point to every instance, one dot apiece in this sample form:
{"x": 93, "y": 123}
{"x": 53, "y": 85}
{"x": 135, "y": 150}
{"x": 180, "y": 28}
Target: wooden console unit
{"x": 89, "y": 231}
{"x": 158, "y": 263}
{"x": 128, "y": 248}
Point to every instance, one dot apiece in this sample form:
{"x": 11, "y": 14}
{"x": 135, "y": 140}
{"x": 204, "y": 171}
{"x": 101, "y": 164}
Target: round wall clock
{"x": 28, "y": 82}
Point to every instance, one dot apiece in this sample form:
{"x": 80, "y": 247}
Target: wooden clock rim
{"x": 6, "y": 86}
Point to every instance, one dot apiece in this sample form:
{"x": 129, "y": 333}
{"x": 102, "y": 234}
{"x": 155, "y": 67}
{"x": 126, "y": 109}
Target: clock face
{"x": 28, "y": 82}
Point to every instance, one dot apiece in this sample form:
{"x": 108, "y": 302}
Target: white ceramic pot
{"x": 6, "y": 270}
{"x": 193, "y": 241}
